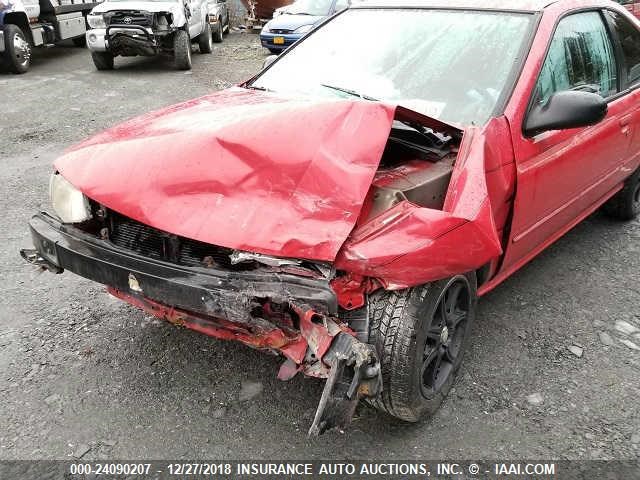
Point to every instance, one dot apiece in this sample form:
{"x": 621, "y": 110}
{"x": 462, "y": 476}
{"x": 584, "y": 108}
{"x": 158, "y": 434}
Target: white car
{"x": 152, "y": 27}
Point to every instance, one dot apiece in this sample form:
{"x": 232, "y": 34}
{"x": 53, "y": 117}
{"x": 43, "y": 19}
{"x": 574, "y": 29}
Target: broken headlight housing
{"x": 96, "y": 20}
{"x": 67, "y": 201}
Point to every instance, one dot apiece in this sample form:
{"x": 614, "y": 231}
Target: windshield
{"x": 309, "y": 7}
{"x": 451, "y": 65}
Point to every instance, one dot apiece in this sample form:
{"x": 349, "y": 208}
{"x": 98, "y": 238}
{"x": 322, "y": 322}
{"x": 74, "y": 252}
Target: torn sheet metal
{"x": 410, "y": 245}
{"x": 304, "y": 346}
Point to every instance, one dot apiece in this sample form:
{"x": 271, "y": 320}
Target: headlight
{"x": 303, "y": 29}
{"x": 96, "y": 20}
{"x": 67, "y": 201}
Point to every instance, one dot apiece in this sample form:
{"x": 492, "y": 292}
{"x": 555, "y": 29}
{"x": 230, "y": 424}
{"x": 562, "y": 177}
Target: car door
{"x": 564, "y": 175}
{"x": 627, "y": 39}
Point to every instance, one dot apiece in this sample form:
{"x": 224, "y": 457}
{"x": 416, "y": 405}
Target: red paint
{"x": 352, "y": 288}
{"x": 634, "y": 8}
{"x": 409, "y": 245}
{"x": 213, "y": 169}
{"x": 563, "y": 175}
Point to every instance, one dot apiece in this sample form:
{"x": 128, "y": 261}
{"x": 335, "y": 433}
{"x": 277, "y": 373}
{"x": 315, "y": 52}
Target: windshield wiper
{"x": 255, "y": 87}
{"x": 436, "y": 139}
{"x": 353, "y": 93}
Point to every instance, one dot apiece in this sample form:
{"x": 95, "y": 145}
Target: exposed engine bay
{"x": 416, "y": 166}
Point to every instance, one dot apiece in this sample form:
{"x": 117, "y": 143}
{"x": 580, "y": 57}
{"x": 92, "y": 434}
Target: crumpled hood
{"x": 241, "y": 169}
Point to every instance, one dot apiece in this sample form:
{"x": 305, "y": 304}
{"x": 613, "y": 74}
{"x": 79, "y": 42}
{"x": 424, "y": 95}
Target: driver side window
{"x": 580, "y": 58}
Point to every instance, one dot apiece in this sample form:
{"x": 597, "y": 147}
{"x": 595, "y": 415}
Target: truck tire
{"x": 625, "y": 205}
{"x": 217, "y": 31}
{"x": 205, "y": 41}
{"x": 102, "y": 60}
{"x": 182, "y": 50}
{"x": 17, "y": 54}
{"x": 420, "y": 335}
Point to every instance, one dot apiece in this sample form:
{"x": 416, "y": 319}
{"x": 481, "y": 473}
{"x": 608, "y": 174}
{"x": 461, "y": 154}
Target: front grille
{"x": 129, "y": 234}
{"x": 281, "y": 31}
{"x": 129, "y": 17}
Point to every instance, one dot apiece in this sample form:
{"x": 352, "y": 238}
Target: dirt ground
{"x": 83, "y": 374}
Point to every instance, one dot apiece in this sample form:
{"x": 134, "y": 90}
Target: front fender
{"x": 179, "y": 17}
{"x": 410, "y": 245}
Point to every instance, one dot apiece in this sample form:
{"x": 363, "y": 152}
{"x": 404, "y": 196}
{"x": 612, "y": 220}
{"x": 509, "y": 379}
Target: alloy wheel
{"x": 444, "y": 336}
{"x": 21, "y": 49}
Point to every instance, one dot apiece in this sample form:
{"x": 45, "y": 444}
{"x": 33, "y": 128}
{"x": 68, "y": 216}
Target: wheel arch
{"x": 20, "y": 20}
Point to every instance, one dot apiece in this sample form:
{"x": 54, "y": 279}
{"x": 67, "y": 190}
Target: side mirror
{"x": 269, "y": 60}
{"x": 565, "y": 110}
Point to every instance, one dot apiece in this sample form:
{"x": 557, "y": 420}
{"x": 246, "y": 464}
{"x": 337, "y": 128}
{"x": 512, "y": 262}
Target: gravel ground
{"x": 83, "y": 374}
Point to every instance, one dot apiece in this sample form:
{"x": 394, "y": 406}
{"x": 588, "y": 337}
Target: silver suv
{"x": 151, "y": 27}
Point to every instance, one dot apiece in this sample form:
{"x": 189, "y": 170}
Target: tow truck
{"x": 39, "y": 23}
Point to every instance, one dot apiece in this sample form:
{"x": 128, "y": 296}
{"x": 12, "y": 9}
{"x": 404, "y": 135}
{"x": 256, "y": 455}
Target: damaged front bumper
{"x": 125, "y": 40}
{"x": 294, "y": 316}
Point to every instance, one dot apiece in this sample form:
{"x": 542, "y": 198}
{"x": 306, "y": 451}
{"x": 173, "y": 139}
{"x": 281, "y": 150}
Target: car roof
{"x": 504, "y": 5}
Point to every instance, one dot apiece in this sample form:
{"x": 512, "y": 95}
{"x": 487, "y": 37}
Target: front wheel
{"x": 217, "y": 32}
{"x": 102, "y": 60}
{"x": 205, "y": 41}
{"x": 17, "y": 53}
{"x": 625, "y": 205}
{"x": 420, "y": 335}
{"x": 182, "y": 50}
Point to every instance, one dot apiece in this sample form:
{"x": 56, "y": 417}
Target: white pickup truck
{"x": 31, "y": 23}
{"x": 149, "y": 27}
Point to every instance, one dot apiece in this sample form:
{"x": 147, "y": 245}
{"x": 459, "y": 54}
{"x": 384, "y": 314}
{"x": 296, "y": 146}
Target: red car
{"x": 347, "y": 206}
{"x": 632, "y": 5}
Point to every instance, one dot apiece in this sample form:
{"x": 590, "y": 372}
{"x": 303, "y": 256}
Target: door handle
{"x": 625, "y": 124}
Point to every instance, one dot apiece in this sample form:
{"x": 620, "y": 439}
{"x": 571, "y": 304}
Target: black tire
{"x": 205, "y": 41}
{"x": 625, "y": 205}
{"x": 182, "y": 50}
{"x": 227, "y": 27}
{"x": 80, "y": 41}
{"x": 17, "y": 54}
{"x": 217, "y": 32}
{"x": 274, "y": 51}
{"x": 419, "y": 357}
{"x": 102, "y": 60}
